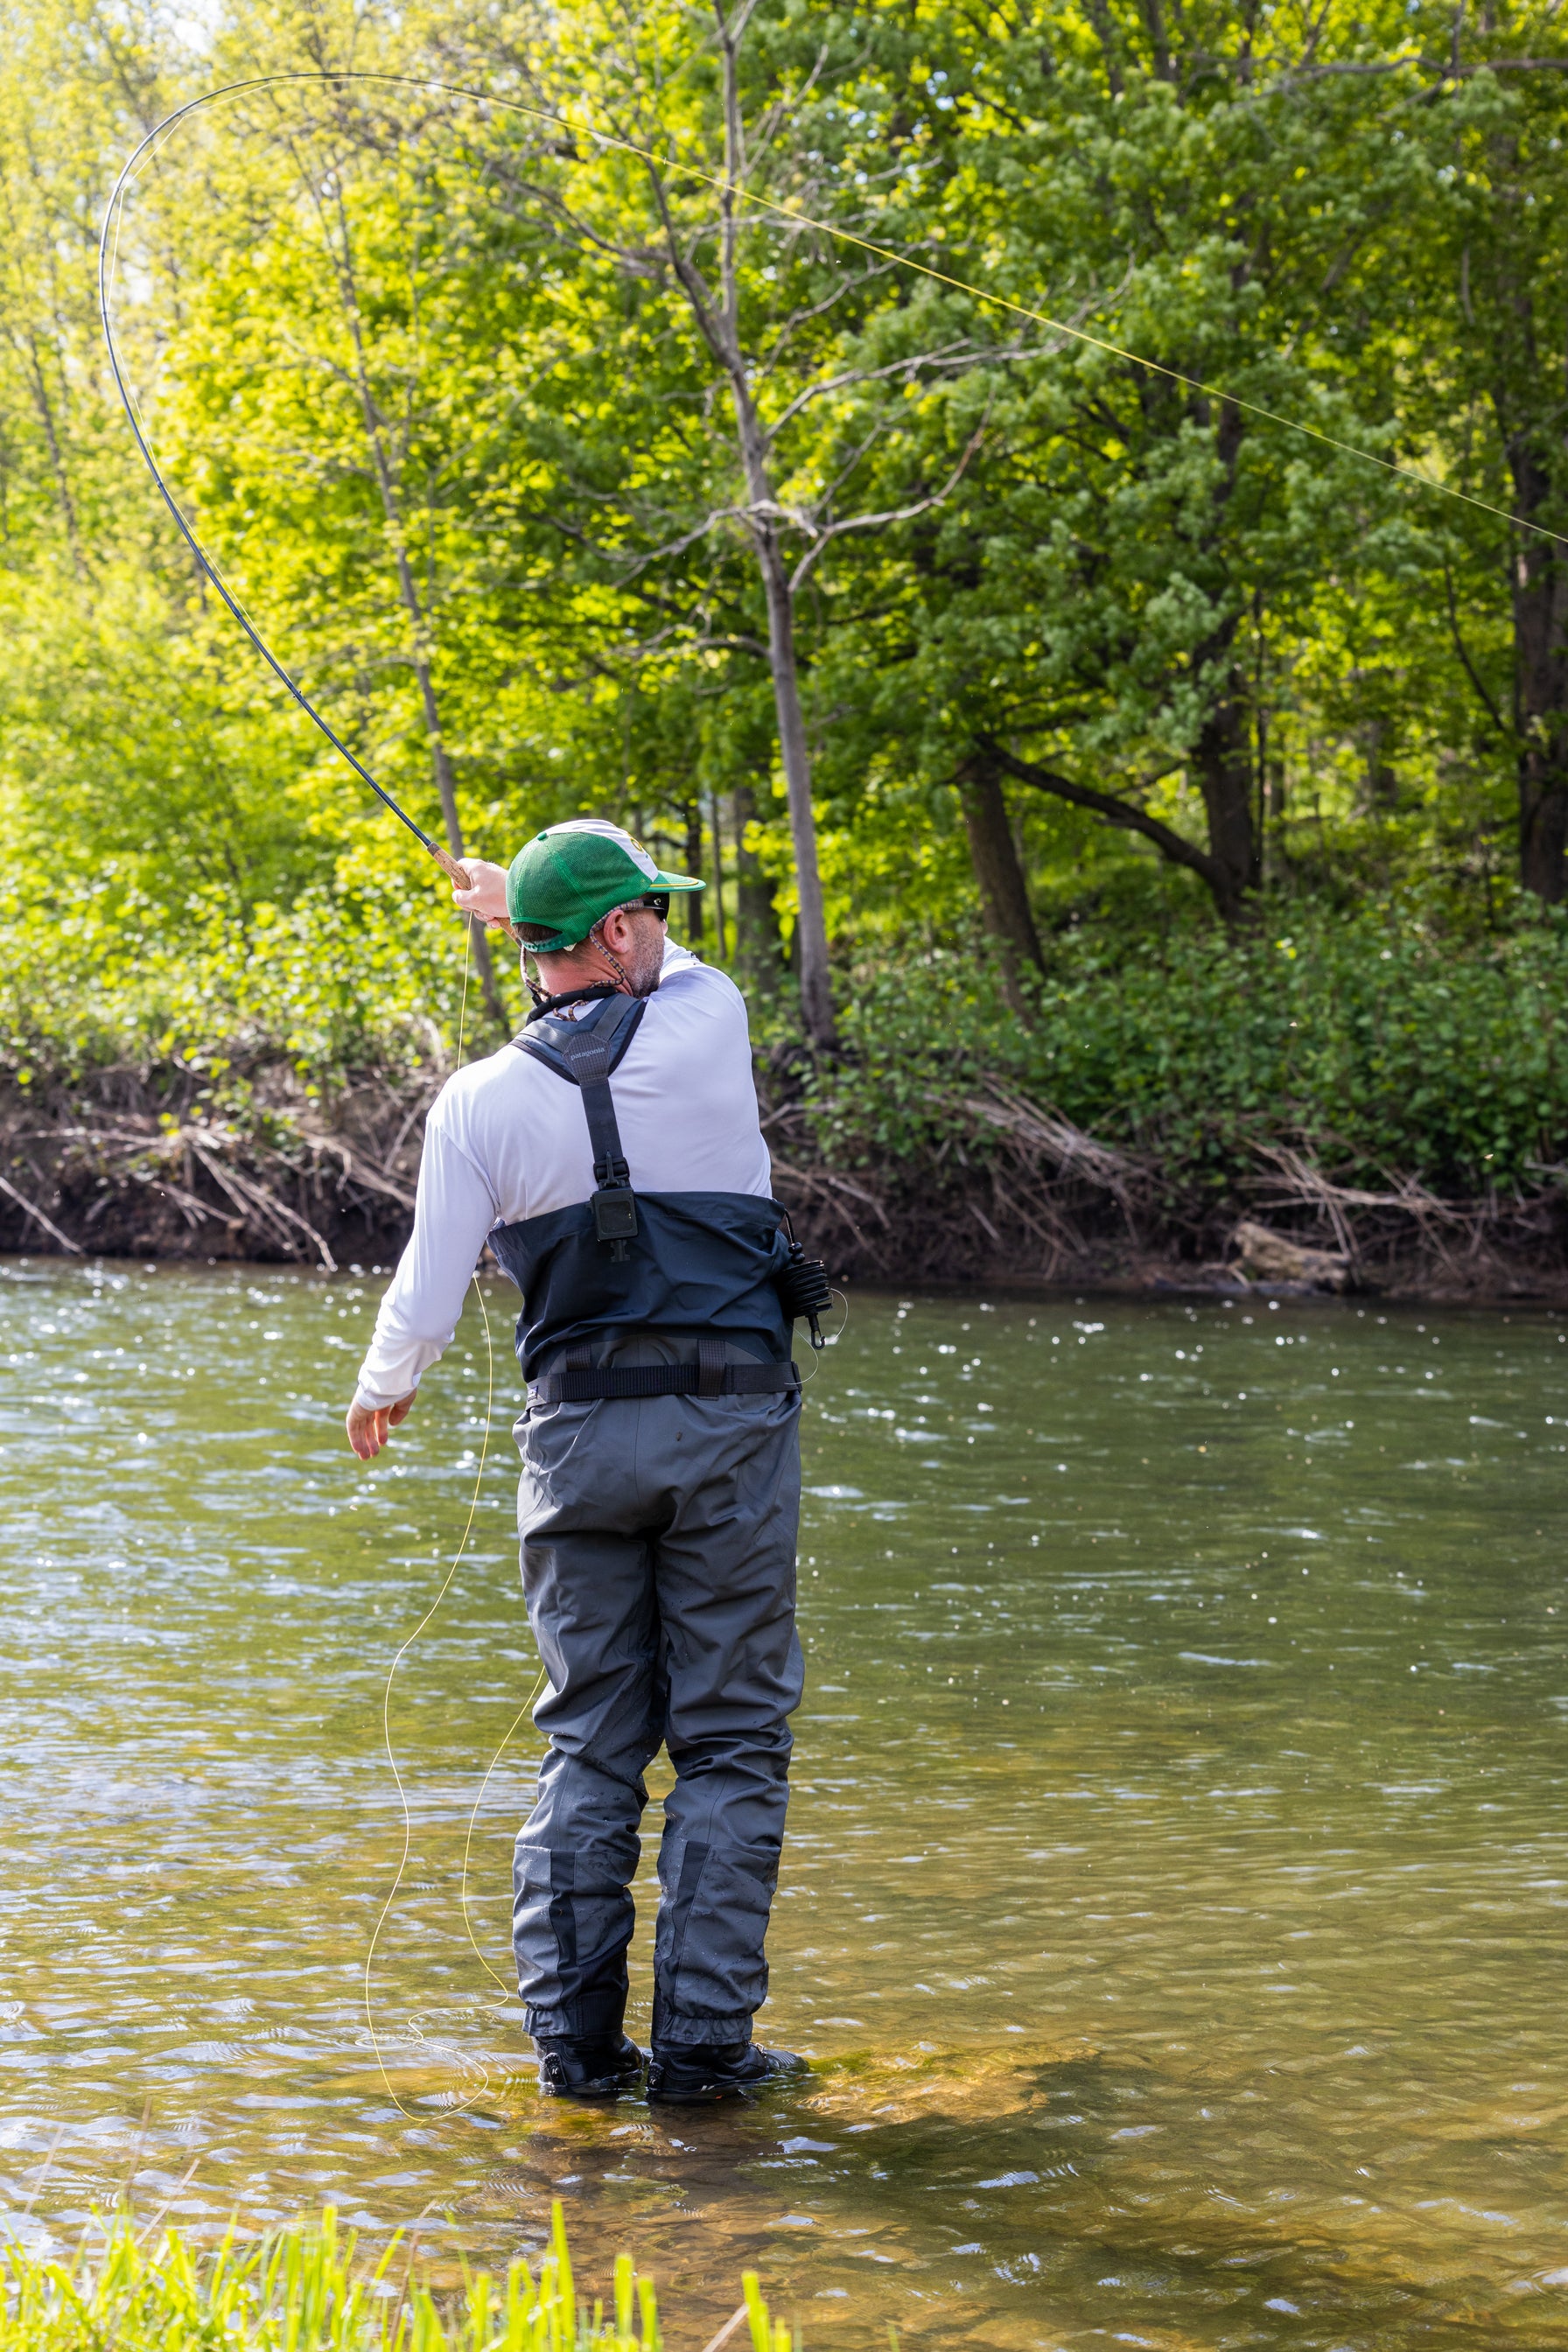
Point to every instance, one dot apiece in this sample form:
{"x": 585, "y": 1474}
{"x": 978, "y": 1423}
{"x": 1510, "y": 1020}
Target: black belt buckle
{"x": 615, "y": 1217}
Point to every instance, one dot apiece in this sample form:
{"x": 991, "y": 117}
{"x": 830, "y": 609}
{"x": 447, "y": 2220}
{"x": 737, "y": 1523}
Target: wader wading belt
{"x": 584, "y": 1053}
{"x": 709, "y": 1376}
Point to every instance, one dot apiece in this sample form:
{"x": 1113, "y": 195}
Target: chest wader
{"x": 658, "y": 1511}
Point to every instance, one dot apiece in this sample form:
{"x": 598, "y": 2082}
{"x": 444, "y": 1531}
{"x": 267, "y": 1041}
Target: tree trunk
{"x": 1380, "y": 782}
{"x": 1522, "y": 365}
{"x": 1541, "y": 673}
{"x": 759, "y": 949}
{"x": 720, "y": 327}
{"x": 694, "y": 925}
{"x": 1170, "y": 844}
{"x": 719, "y": 932}
{"x": 1003, "y": 892}
{"x": 810, "y": 925}
{"x": 1224, "y": 764}
{"x": 1223, "y": 753}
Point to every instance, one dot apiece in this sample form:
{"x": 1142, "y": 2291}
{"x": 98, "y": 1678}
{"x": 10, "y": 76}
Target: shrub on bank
{"x": 339, "y": 981}
{"x": 1384, "y": 1040}
{"x": 1379, "y": 1041}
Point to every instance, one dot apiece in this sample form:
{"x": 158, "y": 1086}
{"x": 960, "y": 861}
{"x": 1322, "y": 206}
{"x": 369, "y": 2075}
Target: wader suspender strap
{"x": 586, "y": 1052}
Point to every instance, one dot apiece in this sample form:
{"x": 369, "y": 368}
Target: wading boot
{"x": 701, "y": 2073}
{"x": 588, "y": 2070}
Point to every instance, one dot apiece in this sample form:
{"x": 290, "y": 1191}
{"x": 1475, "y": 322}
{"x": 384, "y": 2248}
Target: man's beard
{"x": 644, "y": 966}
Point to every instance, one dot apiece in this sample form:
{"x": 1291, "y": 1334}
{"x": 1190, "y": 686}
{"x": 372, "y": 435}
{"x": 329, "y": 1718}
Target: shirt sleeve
{"x": 453, "y": 1209}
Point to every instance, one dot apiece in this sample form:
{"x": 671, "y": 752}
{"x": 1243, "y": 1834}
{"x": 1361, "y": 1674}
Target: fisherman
{"x": 611, "y": 1156}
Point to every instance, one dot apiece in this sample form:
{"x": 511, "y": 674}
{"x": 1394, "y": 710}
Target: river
{"x": 1174, "y": 1900}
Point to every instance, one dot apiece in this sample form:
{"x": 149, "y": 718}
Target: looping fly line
{"x": 612, "y": 141}
{"x": 404, "y": 1648}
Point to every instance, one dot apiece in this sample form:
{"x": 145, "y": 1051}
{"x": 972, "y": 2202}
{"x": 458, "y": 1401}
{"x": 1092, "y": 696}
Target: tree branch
{"x": 891, "y": 514}
{"x": 960, "y": 353}
{"x": 1172, "y": 845}
{"x": 809, "y": 311}
{"x": 711, "y": 322}
{"x": 1490, "y": 707}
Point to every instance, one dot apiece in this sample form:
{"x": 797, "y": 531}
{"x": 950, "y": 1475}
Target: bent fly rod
{"x": 108, "y": 254}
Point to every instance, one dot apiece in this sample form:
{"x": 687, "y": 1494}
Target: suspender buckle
{"x": 615, "y": 1217}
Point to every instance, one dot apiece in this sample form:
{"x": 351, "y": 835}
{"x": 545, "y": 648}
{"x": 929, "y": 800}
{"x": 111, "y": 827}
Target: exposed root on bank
{"x": 141, "y": 1162}
{"x": 1013, "y": 1191}
{"x": 131, "y": 1163}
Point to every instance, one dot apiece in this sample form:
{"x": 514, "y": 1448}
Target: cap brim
{"x": 662, "y": 881}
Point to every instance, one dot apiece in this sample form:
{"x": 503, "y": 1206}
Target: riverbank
{"x": 993, "y": 1187}
{"x": 1384, "y": 1090}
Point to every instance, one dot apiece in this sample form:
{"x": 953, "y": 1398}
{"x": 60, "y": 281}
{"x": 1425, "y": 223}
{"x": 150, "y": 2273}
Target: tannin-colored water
{"x": 1174, "y": 1900}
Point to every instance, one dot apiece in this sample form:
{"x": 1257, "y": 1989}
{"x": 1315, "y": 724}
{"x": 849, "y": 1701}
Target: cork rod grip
{"x": 455, "y": 871}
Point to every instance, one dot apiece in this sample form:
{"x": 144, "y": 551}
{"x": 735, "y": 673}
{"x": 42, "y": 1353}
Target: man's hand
{"x": 486, "y": 894}
{"x": 368, "y": 1425}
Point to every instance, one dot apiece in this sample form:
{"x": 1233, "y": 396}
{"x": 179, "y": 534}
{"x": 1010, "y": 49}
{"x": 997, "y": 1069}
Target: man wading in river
{"x": 611, "y": 1157}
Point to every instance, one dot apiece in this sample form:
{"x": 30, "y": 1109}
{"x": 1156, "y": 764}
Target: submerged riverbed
{"x": 1178, "y": 1870}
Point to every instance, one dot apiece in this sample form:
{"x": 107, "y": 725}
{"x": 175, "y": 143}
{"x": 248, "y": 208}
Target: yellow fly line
{"x": 402, "y": 1650}
{"x": 695, "y": 172}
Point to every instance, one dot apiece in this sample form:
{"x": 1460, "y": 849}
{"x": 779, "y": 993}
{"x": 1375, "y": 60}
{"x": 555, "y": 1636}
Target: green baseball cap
{"x": 570, "y": 874}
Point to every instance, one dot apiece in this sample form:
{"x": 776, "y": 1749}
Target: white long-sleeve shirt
{"x": 506, "y": 1138}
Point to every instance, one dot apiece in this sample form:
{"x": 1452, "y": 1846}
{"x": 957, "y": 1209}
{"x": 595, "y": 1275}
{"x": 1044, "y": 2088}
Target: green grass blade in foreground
{"x": 304, "y": 2289}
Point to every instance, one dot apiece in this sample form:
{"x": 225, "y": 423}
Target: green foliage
{"x": 1403, "y": 1036}
{"x": 304, "y": 2289}
{"x": 767, "y": 2334}
{"x": 346, "y": 978}
{"x": 426, "y": 376}
{"x": 1387, "y": 1042}
{"x": 148, "y": 748}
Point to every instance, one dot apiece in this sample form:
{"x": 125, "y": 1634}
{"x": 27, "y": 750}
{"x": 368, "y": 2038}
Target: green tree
{"x": 1483, "y": 104}
{"x": 1093, "y": 614}
{"x": 717, "y": 121}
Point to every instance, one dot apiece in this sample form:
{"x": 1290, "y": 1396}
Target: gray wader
{"x": 658, "y": 1511}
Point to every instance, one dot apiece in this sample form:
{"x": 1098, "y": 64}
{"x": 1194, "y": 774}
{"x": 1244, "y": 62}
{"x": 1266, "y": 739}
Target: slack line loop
{"x": 405, "y": 1647}
{"x": 407, "y": 1644}
{"x": 403, "y": 1651}
{"x": 693, "y": 173}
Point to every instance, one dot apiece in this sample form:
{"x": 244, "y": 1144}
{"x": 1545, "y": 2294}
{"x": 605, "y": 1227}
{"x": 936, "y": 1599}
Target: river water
{"x": 1174, "y": 1901}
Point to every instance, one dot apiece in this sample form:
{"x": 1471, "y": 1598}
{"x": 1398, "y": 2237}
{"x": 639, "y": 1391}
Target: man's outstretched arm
{"x": 453, "y": 1212}
{"x": 408, "y": 1333}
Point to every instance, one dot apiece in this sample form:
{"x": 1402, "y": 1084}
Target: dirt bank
{"x": 138, "y": 1162}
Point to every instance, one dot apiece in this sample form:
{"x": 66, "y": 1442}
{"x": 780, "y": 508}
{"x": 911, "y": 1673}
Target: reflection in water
{"x": 1175, "y": 1897}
